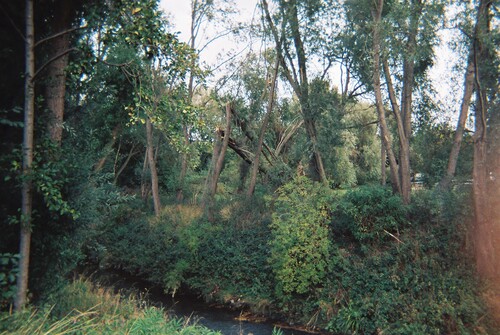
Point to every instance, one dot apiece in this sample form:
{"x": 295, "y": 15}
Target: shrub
{"x": 300, "y": 245}
{"x": 8, "y": 272}
{"x": 371, "y": 214}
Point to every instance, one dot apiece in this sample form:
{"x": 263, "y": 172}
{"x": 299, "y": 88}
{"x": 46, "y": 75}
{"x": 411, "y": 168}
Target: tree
{"x": 296, "y": 72}
{"x": 27, "y": 187}
{"x": 219, "y": 153}
{"x": 464, "y": 112}
{"x": 59, "y": 47}
{"x": 486, "y": 86}
{"x": 403, "y": 35}
{"x": 385, "y": 134}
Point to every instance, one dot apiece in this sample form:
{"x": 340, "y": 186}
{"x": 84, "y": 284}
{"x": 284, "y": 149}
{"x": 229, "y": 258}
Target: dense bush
{"x": 300, "y": 245}
{"x": 417, "y": 280}
{"x": 370, "y": 214}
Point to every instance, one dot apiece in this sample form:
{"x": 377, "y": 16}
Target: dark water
{"x": 219, "y": 319}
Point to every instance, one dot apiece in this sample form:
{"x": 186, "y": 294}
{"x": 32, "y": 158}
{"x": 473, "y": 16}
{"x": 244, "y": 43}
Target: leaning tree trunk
{"x": 152, "y": 168}
{"x": 464, "y": 112}
{"x": 255, "y": 168}
{"x": 299, "y": 83}
{"x": 27, "y": 187}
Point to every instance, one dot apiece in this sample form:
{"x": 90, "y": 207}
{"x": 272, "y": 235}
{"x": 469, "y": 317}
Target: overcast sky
{"x": 448, "y": 88}
{"x": 179, "y": 12}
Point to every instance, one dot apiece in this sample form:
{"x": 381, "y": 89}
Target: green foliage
{"x": 420, "y": 282}
{"x": 300, "y": 247}
{"x": 8, "y": 274}
{"x": 371, "y": 214}
{"x": 81, "y": 308}
{"x": 432, "y": 160}
{"x": 224, "y": 263}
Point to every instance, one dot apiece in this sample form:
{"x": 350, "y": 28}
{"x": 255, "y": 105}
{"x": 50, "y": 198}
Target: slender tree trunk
{"x": 464, "y": 112}
{"x": 107, "y": 149}
{"x": 144, "y": 182}
{"x": 406, "y": 101}
{"x": 124, "y": 165}
{"x": 270, "y": 104}
{"x": 184, "y": 163}
{"x": 55, "y": 89}
{"x": 383, "y": 155}
{"x": 27, "y": 187}
{"x": 152, "y": 168}
{"x": 184, "y": 166}
{"x": 384, "y": 129}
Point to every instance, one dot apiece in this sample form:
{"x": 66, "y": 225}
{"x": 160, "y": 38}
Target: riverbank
{"x": 83, "y": 308}
{"x": 228, "y": 318}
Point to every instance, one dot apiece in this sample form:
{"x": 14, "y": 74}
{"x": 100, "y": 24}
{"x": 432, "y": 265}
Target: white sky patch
{"x": 447, "y": 83}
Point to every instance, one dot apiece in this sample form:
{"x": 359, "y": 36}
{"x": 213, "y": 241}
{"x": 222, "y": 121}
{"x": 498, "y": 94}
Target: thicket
{"x": 355, "y": 261}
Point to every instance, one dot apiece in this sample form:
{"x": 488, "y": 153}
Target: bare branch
{"x": 43, "y": 40}
{"x": 62, "y": 54}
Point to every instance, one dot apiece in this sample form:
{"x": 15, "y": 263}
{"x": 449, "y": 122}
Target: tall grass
{"x": 81, "y": 308}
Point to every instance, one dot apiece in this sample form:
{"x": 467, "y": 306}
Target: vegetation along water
{"x": 315, "y": 174}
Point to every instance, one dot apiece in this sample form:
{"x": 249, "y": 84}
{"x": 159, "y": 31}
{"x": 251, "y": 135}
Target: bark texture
{"x": 27, "y": 187}
{"x": 484, "y": 232}
{"x": 55, "y": 87}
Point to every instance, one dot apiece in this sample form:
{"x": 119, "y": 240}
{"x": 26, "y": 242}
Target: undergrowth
{"x": 81, "y": 308}
{"x": 351, "y": 262}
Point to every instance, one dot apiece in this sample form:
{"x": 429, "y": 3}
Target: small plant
{"x": 8, "y": 273}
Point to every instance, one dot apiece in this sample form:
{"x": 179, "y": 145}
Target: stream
{"x": 187, "y": 306}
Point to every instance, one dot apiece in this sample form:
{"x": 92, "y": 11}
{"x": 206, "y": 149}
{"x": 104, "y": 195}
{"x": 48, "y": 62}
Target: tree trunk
{"x": 152, "y": 168}
{"x": 406, "y": 101}
{"x": 55, "y": 88}
{"x": 255, "y": 168}
{"x": 484, "y": 233}
{"x": 493, "y": 187}
{"x": 464, "y": 112}
{"x": 383, "y": 159}
{"x": 384, "y": 129}
{"x": 27, "y": 187}
{"x": 184, "y": 166}
{"x": 222, "y": 153}
{"x": 218, "y": 156}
